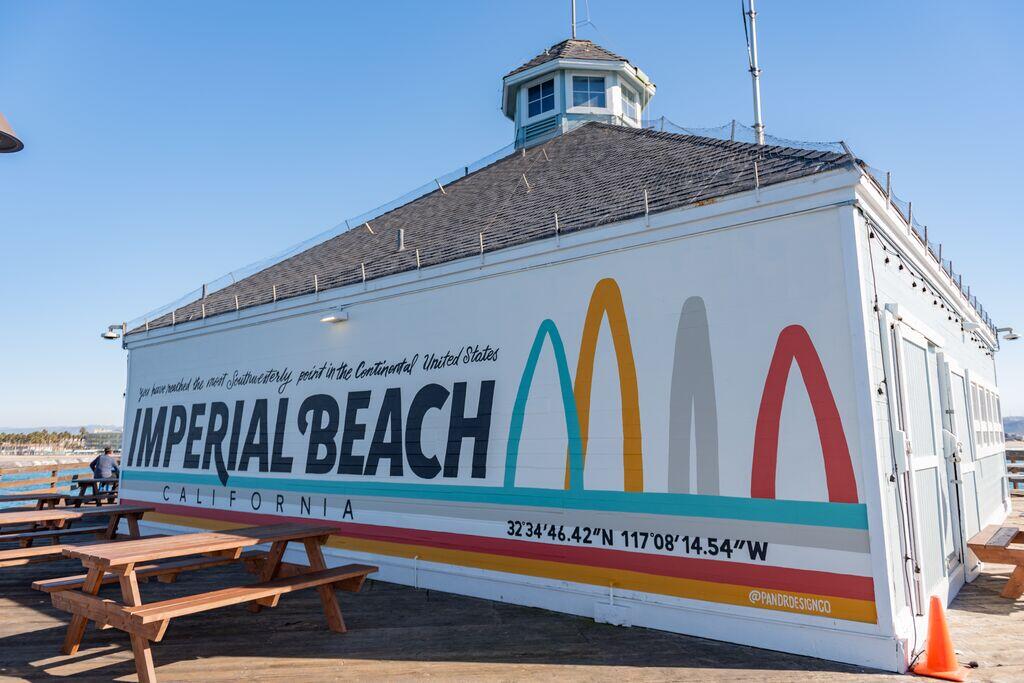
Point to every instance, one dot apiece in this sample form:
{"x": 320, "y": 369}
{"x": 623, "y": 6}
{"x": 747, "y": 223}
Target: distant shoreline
{"x": 61, "y": 428}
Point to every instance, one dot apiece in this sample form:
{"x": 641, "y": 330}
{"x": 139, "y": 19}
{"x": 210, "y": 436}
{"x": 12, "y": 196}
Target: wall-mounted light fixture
{"x": 970, "y": 326}
{"x": 338, "y": 316}
{"x": 1010, "y": 334}
{"x": 113, "y": 331}
{"x": 9, "y": 142}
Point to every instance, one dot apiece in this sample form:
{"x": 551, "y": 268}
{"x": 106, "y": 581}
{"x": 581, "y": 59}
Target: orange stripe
{"x": 606, "y": 300}
{"x": 839, "y": 608}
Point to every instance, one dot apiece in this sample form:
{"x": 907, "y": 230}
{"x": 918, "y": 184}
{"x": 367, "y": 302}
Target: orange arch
{"x": 795, "y": 344}
{"x": 606, "y": 300}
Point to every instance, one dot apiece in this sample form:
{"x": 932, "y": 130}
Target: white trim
{"x": 126, "y": 419}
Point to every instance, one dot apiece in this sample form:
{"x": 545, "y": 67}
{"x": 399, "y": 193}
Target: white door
{"x": 961, "y": 456}
{"x": 938, "y": 561}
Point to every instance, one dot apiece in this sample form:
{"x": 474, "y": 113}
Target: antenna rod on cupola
{"x": 572, "y": 3}
{"x": 755, "y": 70}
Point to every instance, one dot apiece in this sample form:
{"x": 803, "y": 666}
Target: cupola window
{"x": 588, "y": 91}
{"x": 629, "y": 104}
{"x": 540, "y": 98}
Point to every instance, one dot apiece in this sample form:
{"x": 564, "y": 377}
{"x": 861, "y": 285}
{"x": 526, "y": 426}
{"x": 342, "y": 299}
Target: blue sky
{"x": 167, "y": 143}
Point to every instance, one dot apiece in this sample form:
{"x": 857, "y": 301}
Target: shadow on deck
{"x": 398, "y": 632}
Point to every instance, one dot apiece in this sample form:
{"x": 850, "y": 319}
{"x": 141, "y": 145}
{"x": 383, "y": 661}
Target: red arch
{"x": 795, "y": 344}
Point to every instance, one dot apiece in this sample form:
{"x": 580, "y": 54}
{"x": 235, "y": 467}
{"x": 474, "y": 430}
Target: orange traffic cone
{"x": 939, "y": 660}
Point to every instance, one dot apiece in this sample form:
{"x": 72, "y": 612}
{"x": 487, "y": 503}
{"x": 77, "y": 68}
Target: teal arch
{"x": 547, "y": 330}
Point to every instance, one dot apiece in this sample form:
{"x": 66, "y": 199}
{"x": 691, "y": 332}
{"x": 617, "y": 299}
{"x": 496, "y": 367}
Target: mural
{"x": 355, "y": 444}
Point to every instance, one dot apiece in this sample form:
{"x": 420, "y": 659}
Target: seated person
{"x": 104, "y": 466}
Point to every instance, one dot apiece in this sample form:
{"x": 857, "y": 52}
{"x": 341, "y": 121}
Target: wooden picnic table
{"x": 1001, "y": 545}
{"x": 27, "y": 526}
{"x": 127, "y": 561}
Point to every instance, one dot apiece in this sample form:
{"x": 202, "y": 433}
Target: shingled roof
{"x": 570, "y": 49}
{"x": 590, "y": 176}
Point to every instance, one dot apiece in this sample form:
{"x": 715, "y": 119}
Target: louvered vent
{"x": 536, "y": 130}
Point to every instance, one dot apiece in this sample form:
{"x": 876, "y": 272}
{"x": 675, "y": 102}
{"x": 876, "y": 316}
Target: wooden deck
{"x": 401, "y": 633}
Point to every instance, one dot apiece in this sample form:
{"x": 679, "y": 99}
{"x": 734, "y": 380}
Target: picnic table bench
{"x": 129, "y": 561}
{"x": 27, "y": 526}
{"x": 998, "y": 544}
{"x": 92, "y": 489}
{"x": 88, "y": 491}
{"x": 41, "y": 499}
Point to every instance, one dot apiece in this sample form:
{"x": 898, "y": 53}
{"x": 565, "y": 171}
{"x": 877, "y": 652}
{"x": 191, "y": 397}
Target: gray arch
{"x": 692, "y": 405}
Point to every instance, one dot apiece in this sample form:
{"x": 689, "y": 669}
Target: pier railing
{"x": 50, "y": 477}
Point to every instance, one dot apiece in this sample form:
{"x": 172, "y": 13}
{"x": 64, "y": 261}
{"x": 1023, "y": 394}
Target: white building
{"x": 704, "y": 386}
{"x": 98, "y": 439}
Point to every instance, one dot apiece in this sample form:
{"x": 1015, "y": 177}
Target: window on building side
{"x": 987, "y": 410}
{"x": 988, "y": 415}
{"x": 982, "y": 418}
{"x": 977, "y": 414}
{"x": 991, "y": 417}
{"x": 629, "y": 104}
{"x": 540, "y": 98}
{"x": 588, "y": 91}
{"x": 999, "y": 419}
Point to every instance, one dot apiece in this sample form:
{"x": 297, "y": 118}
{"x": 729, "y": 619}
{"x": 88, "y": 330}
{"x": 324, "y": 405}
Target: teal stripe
{"x": 548, "y": 330}
{"x": 839, "y": 515}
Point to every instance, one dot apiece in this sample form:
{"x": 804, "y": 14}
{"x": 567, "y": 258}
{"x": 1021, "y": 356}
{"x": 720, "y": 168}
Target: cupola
{"x": 570, "y": 83}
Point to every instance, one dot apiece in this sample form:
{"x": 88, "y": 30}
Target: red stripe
{"x": 795, "y": 344}
{"x": 717, "y": 571}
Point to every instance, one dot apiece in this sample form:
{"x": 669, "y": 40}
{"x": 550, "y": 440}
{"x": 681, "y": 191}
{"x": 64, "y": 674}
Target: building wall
{"x": 902, "y": 296}
{"x": 658, "y": 423}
